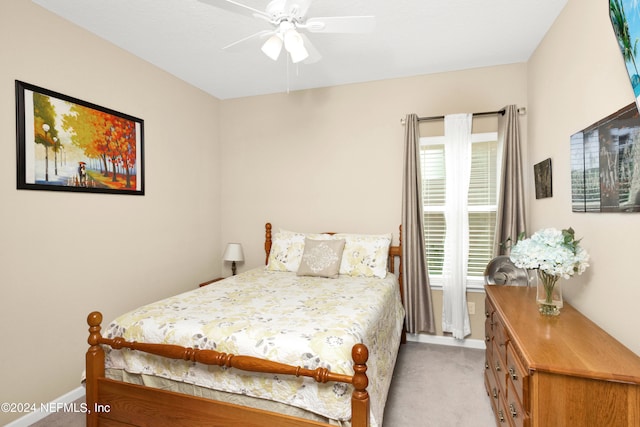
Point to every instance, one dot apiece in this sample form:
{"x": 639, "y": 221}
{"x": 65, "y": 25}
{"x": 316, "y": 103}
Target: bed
{"x": 289, "y": 344}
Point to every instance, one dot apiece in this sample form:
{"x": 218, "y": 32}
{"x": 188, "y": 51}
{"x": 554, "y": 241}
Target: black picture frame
{"x": 543, "y": 179}
{"x": 67, "y": 144}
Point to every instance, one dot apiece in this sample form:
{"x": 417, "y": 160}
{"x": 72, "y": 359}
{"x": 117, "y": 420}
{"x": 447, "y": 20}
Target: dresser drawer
{"x": 515, "y": 412}
{"x": 492, "y": 388}
{"x": 488, "y": 308}
{"x": 500, "y": 339}
{"x": 502, "y": 414}
{"x": 499, "y": 370}
{"x": 488, "y": 332}
{"x": 488, "y": 321}
{"x": 518, "y": 376}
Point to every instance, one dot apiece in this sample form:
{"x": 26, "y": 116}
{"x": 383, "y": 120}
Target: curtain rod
{"x": 485, "y": 113}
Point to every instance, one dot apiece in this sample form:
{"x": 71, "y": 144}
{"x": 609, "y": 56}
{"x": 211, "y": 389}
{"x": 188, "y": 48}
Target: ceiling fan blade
{"x": 235, "y": 7}
{"x": 340, "y": 24}
{"x": 314, "y": 55}
{"x": 259, "y": 35}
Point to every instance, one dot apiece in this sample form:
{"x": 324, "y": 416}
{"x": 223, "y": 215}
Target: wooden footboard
{"x": 114, "y": 403}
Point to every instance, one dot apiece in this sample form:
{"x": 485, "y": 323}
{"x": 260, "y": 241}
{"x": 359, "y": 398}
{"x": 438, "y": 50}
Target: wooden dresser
{"x": 555, "y": 371}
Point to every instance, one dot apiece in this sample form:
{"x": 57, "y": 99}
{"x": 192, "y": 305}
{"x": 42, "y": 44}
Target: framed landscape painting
{"x": 625, "y": 20}
{"x": 66, "y": 144}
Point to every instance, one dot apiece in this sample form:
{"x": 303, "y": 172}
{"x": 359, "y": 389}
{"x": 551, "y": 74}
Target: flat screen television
{"x": 605, "y": 164}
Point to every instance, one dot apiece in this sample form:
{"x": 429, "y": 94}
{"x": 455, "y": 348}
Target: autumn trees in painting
{"x": 105, "y": 137}
{"x": 68, "y": 144}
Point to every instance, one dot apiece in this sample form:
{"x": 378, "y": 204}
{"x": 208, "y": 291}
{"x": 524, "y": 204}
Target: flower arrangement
{"x": 554, "y": 254}
{"x": 552, "y": 251}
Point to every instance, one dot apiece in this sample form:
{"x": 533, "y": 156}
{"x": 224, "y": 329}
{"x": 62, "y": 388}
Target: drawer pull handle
{"x": 513, "y": 411}
{"x": 486, "y": 313}
{"x": 498, "y": 367}
{"x": 487, "y": 338}
{"x": 495, "y": 393}
{"x": 513, "y": 374}
{"x": 486, "y": 365}
{"x": 501, "y": 416}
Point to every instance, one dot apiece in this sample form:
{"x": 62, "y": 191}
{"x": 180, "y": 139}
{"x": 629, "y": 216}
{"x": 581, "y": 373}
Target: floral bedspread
{"x": 302, "y": 321}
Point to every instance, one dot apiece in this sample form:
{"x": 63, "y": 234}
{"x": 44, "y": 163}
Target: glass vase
{"x": 549, "y": 294}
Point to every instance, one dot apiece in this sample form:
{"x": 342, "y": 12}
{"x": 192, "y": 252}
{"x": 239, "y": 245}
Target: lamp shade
{"x": 272, "y": 47}
{"x": 299, "y": 54}
{"x": 294, "y": 44}
{"x": 233, "y": 252}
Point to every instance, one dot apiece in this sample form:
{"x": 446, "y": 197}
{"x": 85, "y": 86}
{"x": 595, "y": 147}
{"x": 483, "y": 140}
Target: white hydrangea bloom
{"x": 548, "y": 251}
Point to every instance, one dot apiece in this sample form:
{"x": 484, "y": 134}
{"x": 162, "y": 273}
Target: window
{"x": 482, "y": 204}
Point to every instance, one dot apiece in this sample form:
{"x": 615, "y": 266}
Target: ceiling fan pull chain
{"x": 287, "y": 74}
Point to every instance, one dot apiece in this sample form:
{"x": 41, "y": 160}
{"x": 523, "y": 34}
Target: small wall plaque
{"x": 542, "y": 173}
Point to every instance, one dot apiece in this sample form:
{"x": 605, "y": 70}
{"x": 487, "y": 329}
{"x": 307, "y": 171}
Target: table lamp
{"x": 233, "y": 253}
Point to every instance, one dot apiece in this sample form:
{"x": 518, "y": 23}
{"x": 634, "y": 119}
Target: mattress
{"x": 302, "y": 321}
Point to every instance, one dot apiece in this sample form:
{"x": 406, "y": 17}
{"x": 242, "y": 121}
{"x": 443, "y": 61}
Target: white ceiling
{"x": 411, "y": 37}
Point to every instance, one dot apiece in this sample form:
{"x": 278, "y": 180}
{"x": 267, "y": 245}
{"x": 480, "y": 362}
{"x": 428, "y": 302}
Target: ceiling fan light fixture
{"x": 298, "y": 54}
{"x": 294, "y": 44}
{"x": 289, "y": 22}
{"x": 272, "y": 47}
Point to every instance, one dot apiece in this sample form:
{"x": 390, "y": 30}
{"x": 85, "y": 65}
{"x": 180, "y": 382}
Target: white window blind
{"x": 482, "y": 204}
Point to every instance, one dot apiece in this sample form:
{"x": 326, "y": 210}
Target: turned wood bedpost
{"x": 400, "y": 265}
{"x": 360, "y": 396}
{"x": 267, "y": 241}
{"x": 94, "y": 366}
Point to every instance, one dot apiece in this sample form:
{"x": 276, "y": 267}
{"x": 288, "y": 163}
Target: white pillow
{"x": 287, "y": 248}
{"x": 365, "y": 254}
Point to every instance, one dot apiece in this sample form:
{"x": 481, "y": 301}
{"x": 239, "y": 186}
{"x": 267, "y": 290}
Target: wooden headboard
{"x": 395, "y": 253}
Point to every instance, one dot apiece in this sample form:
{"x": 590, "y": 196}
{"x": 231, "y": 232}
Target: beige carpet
{"x": 438, "y": 386}
{"x": 433, "y": 386}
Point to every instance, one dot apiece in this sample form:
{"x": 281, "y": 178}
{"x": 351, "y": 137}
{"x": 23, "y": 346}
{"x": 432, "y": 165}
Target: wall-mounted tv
{"x": 605, "y": 164}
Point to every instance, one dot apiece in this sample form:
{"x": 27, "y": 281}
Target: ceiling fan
{"x": 289, "y": 21}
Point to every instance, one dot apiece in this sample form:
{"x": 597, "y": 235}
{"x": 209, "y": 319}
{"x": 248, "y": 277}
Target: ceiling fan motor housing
{"x": 276, "y": 9}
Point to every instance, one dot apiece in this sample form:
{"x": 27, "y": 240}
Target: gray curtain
{"x": 417, "y": 292}
{"x": 510, "y": 217}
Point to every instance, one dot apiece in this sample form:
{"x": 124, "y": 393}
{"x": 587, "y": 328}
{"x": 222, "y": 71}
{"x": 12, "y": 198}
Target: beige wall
{"x": 61, "y": 252}
{"x": 577, "y": 77}
{"x": 331, "y": 159}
